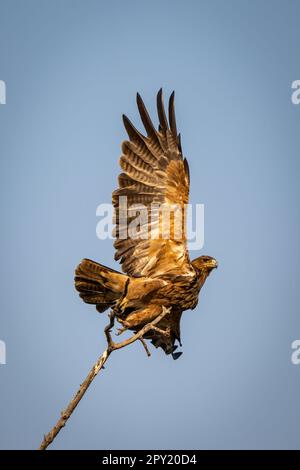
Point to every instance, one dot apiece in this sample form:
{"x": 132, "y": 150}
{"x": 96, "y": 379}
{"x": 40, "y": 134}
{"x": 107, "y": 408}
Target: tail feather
{"x": 98, "y": 284}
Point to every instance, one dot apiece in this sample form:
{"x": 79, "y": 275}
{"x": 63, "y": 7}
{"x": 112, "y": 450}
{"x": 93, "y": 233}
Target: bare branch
{"x": 111, "y": 346}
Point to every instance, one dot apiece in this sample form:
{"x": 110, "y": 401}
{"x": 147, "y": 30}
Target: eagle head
{"x": 205, "y": 264}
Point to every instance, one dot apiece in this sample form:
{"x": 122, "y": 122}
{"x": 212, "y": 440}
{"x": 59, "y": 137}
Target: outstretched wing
{"x": 153, "y": 189}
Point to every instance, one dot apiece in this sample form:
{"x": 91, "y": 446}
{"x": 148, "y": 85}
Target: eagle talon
{"x": 121, "y": 330}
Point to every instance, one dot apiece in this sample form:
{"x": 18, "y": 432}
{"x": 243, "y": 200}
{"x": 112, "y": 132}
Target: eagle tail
{"x": 98, "y": 284}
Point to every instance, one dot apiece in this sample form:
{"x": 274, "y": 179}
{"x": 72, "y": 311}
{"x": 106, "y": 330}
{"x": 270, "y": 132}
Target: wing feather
{"x": 155, "y": 175}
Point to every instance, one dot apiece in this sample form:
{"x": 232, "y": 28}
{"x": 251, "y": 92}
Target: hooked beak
{"x": 214, "y": 264}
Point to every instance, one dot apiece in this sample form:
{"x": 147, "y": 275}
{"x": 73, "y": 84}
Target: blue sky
{"x": 71, "y": 69}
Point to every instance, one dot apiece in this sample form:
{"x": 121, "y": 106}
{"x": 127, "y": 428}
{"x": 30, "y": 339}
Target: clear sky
{"x": 71, "y": 69}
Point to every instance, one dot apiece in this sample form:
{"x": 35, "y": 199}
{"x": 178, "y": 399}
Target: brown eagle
{"x": 157, "y": 269}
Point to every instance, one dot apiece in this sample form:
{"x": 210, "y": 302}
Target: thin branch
{"x": 111, "y": 346}
{"x": 65, "y": 414}
{"x": 145, "y": 347}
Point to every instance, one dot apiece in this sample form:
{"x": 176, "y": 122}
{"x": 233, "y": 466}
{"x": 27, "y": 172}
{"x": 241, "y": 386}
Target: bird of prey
{"x": 157, "y": 271}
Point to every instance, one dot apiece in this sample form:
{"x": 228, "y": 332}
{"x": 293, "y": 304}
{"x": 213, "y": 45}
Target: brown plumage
{"x": 158, "y": 271}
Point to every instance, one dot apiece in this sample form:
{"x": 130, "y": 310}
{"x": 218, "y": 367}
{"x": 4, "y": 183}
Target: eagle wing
{"x": 155, "y": 176}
